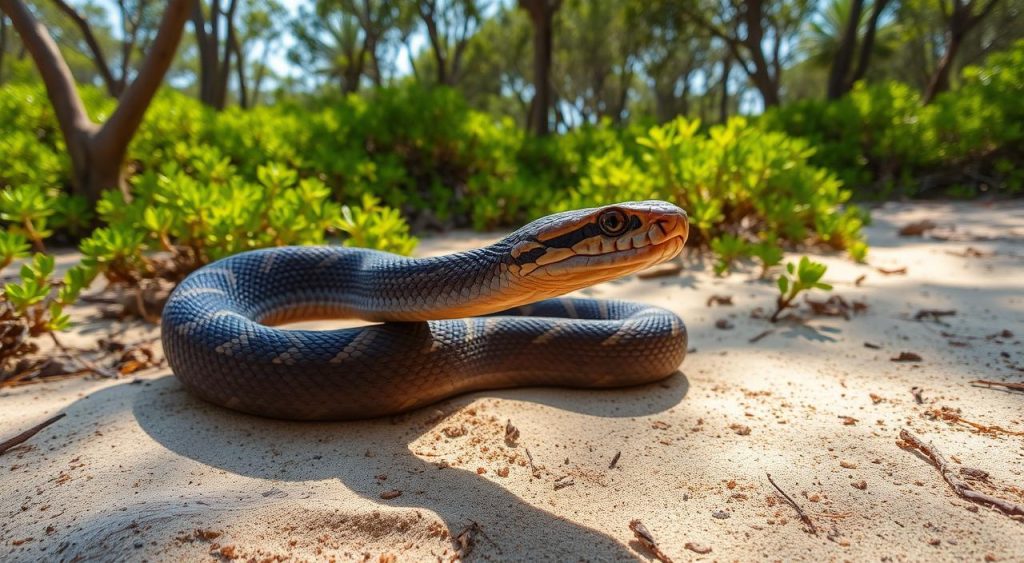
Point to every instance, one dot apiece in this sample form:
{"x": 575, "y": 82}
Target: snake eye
{"x": 612, "y": 222}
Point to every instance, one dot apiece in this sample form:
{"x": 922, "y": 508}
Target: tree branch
{"x": 94, "y": 47}
{"x": 119, "y": 129}
{"x": 60, "y": 85}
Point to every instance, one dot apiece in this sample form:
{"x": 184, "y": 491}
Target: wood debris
{"x": 933, "y": 314}
{"x": 953, "y": 415}
{"x": 901, "y": 271}
{"x": 698, "y": 548}
{"x": 800, "y": 512}
{"x": 646, "y": 539}
{"x": 960, "y": 487}
{"x": 563, "y": 482}
{"x": 465, "y": 541}
{"x": 615, "y": 460}
{"x": 511, "y": 433}
{"x": 917, "y": 228}
{"x": 835, "y": 306}
{"x": 1006, "y": 384}
{"x": 24, "y": 436}
{"x": 907, "y": 357}
{"x": 725, "y": 300}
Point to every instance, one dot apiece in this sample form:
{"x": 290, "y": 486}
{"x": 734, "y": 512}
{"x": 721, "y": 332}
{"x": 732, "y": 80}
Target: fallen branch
{"x": 803, "y": 515}
{"x": 949, "y": 415}
{"x": 1008, "y": 385}
{"x": 960, "y": 487}
{"x": 21, "y": 438}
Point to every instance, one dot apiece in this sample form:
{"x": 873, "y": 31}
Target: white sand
{"x": 138, "y": 465}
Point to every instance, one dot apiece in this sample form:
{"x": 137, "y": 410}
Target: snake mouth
{"x": 599, "y": 259}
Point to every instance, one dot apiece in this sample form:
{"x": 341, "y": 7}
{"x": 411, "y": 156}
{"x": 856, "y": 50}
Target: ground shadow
{"x": 357, "y": 452}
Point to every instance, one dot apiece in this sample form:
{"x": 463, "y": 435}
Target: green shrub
{"x": 880, "y": 139}
{"x": 33, "y": 306}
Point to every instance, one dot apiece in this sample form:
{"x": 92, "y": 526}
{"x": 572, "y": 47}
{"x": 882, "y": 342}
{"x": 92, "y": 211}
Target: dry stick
{"x": 20, "y": 438}
{"x": 1008, "y": 385}
{"x": 615, "y": 460}
{"x": 960, "y": 487}
{"x": 803, "y": 515}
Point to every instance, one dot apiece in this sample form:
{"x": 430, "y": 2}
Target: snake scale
{"x": 486, "y": 318}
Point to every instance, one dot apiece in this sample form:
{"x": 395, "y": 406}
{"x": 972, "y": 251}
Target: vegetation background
{"x": 159, "y": 136}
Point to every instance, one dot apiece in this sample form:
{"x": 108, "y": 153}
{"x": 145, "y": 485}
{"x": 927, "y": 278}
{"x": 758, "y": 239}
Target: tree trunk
{"x": 940, "y": 78}
{"x": 723, "y": 108}
{"x": 243, "y": 91}
{"x": 214, "y": 52}
{"x": 844, "y": 56}
{"x": 867, "y": 46}
{"x": 97, "y": 152}
{"x": 428, "y": 11}
{"x": 960, "y": 21}
{"x": 541, "y": 15}
{"x": 114, "y": 87}
{"x": 3, "y": 44}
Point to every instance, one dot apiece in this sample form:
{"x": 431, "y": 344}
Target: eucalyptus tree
{"x": 97, "y": 151}
{"x": 760, "y": 34}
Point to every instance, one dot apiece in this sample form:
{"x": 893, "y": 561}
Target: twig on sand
{"x": 645, "y": 539}
{"x": 1006, "y": 384}
{"x": 21, "y": 438}
{"x": 960, "y": 487}
{"x": 533, "y": 468}
{"x": 803, "y": 515}
{"x": 615, "y": 460}
{"x": 761, "y": 335}
{"x": 950, "y": 415}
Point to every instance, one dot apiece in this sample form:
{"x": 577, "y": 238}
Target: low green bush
{"x": 33, "y": 305}
{"x": 206, "y": 184}
{"x": 881, "y": 140}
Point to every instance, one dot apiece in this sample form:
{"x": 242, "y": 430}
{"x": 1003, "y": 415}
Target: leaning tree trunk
{"x": 97, "y": 151}
{"x": 844, "y": 55}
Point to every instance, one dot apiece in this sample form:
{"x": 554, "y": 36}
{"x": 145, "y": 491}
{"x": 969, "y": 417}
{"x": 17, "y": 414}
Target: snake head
{"x": 575, "y": 249}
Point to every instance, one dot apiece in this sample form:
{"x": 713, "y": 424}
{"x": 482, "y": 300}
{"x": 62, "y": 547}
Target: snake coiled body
{"x": 481, "y": 319}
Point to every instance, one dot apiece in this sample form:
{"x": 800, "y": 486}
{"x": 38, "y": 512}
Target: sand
{"x": 139, "y": 469}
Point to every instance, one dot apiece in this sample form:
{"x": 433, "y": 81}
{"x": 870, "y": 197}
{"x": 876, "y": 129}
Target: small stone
{"x": 721, "y": 514}
{"x": 862, "y": 484}
{"x": 847, "y": 464}
{"x": 934, "y": 541}
{"x": 723, "y": 324}
{"x": 388, "y": 495}
{"x": 139, "y": 544}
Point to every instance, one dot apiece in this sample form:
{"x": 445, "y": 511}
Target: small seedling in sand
{"x": 802, "y": 277}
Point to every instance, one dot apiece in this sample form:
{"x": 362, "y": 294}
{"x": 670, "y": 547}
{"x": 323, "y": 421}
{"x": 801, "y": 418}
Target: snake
{"x": 488, "y": 318}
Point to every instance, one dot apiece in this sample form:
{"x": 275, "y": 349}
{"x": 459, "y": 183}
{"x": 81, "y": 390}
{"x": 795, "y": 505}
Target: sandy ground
{"x": 141, "y": 470}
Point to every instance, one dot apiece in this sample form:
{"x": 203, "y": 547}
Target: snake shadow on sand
{"x": 356, "y": 452}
